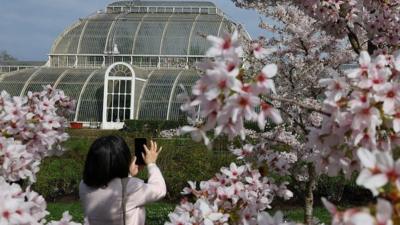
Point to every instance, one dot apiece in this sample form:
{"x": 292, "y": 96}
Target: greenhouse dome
{"x": 127, "y": 61}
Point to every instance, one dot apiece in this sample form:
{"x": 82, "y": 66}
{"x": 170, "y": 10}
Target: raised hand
{"x": 151, "y": 155}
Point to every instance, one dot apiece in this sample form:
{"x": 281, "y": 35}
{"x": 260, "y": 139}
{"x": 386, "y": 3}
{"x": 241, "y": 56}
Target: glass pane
{"x": 121, "y": 100}
{"x": 128, "y": 101}
{"x": 115, "y": 115}
{"x": 108, "y": 115}
{"x": 121, "y": 115}
{"x": 110, "y": 86}
{"x": 128, "y": 86}
{"x": 122, "y": 86}
{"x": 127, "y": 112}
{"x": 115, "y": 102}
{"x": 116, "y": 86}
{"x": 109, "y": 100}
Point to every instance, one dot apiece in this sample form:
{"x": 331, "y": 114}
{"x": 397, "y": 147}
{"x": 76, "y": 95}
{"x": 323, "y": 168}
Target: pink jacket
{"x": 102, "y": 206}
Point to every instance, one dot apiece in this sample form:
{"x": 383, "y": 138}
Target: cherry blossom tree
{"x": 368, "y": 24}
{"x": 32, "y": 128}
{"x": 357, "y": 134}
{"x": 312, "y": 40}
{"x": 363, "y": 119}
{"x": 306, "y": 53}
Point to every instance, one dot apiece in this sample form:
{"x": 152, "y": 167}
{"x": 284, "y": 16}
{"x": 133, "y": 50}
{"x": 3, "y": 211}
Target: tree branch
{"x": 355, "y": 44}
{"x": 308, "y": 107}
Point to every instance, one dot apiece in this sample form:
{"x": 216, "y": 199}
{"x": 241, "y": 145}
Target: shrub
{"x": 60, "y": 176}
{"x": 152, "y": 126}
{"x": 155, "y": 126}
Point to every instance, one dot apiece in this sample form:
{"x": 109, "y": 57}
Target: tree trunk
{"x": 309, "y": 199}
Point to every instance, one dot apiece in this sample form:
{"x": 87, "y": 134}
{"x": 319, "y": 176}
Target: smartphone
{"x": 139, "y": 149}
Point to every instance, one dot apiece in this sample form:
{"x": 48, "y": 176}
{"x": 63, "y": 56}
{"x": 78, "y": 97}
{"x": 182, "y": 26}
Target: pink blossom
{"x": 196, "y": 133}
{"x": 242, "y": 105}
{"x": 233, "y": 171}
{"x": 210, "y": 213}
{"x": 349, "y": 217}
{"x": 179, "y": 219}
{"x": 264, "y": 83}
{"x": 228, "y": 45}
{"x": 268, "y": 111}
{"x": 379, "y": 169}
{"x": 384, "y": 212}
{"x": 364, "y": 62}
{"x": 259, "y": 51}
{"x": 390, "y": 96}
{"x": 264, "y": 218}
{"x": 65, "y": 220}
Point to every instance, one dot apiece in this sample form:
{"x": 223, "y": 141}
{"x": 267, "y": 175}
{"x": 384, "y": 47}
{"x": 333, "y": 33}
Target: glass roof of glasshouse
{"x": 154, "y": 28}
{"x": 163, "y": 3}
{"x": 129, "y": 61}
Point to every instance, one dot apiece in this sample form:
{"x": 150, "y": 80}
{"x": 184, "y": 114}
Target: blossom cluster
{"x": 223, "y": 97}
{"x": 364, "y": 109}
{"x": 31, "y": 128}
{"x": 278, "y": 162}
{"x": 20, "y": 207}
{"x": 380, "y": 214}
{"x": 361, "y": 133}
{"x": 237, "y": 195}
{"x": 25, "y": 207}
{"x": 379, "y": 20}
{"x": 364, "y": 23}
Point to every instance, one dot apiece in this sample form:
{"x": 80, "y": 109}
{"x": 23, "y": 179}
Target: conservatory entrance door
{"x": 118, "y": 101}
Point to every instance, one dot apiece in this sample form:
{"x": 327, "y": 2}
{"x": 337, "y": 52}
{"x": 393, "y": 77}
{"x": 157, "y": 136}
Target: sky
{"x": 29, "y": 27}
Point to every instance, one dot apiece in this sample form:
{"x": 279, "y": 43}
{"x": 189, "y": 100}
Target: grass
{"x": 157, "y": 213}
{"x": 297, "y": 214}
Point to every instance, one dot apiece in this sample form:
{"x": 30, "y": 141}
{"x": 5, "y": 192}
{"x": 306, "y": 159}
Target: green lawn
{"x": 157, "y": 213}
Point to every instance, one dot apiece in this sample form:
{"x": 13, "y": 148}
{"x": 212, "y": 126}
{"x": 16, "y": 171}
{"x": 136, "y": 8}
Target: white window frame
{"x": 111, "y": 124}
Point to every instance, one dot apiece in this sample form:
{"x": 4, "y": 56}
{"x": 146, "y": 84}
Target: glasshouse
{"x": 127, "y": 61}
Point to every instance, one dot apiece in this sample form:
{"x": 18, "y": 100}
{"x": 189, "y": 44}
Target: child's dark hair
{"x": 108, "y": 158}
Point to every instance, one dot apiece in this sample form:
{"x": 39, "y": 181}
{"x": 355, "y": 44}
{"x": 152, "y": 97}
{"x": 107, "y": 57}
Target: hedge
{"x": 155, "y": 126}
{"x": 150, "y": 126}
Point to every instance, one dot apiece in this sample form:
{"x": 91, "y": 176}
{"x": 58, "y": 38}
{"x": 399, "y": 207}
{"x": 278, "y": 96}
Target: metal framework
{"x": 141, "y": 95}
{"x": 11, "y": 68}
{"x": 28, "y": 81}
{"x": 172, "y": 94}
{"x": 145, "y": 30}
{"x": 78, "y": 104}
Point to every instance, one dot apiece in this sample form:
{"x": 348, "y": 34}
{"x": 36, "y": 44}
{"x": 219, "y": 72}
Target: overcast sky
{"x": 29, "y": 27}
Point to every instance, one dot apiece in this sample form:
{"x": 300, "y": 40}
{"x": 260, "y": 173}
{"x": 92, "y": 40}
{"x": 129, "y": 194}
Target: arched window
{"x": 118, "y": 101}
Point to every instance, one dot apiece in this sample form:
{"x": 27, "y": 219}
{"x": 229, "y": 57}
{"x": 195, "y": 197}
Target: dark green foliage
{"x": 335, "y": 189}
{"x": 57, "y": 209}
{"x": 157, "y": 213}
{"x": 60, "y": 176}
{"x": 185, "y": 160}
{"x": 152, "y": 126}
